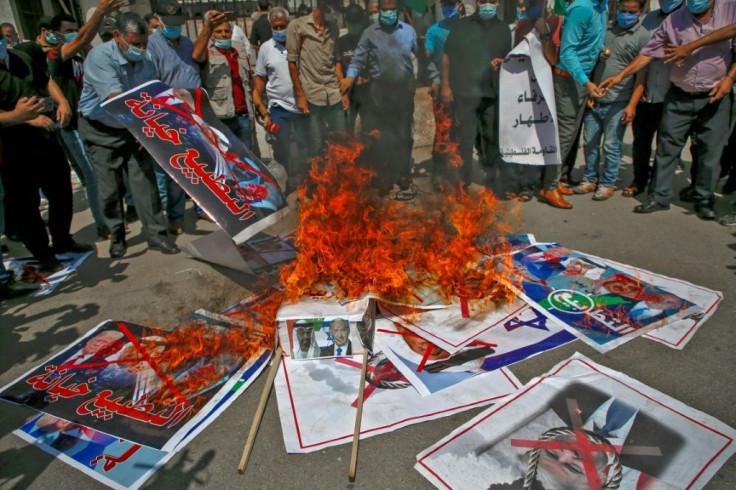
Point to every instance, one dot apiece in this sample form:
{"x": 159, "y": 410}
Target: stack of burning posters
{"x": 26, "y": 270}
{"x": 581, "y": 426}
{"x": 123, "y": 399}
{"x": 607, "y": 304}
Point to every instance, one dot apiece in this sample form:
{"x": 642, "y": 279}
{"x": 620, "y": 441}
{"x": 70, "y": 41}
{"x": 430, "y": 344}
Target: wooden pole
{"x": 259, "y": 411}
{"x": 358, "y": 417}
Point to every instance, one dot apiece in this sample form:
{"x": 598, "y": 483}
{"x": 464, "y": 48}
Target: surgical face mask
{"x": 697, "y": 6}
{"x": 388, "y": 17}
{"x": 450, "y": 12}
{"x": 354, "y": 29}
{"x": 51, "y": 39}
{"x": 373, "y": 18}
{"x": 669, "y": 6}
{"x": 521, "y": 14}
{"x": 487, "y": 11}
{"x": 70, "y": 36}
{"x": 134, "y": 54}
{"x": 4, "y": 48}
{"x": 279, "y": 36}
{"x": 171, "y": 32}
{"x": 626, "y": 20}
{"x": 224, "y": 43}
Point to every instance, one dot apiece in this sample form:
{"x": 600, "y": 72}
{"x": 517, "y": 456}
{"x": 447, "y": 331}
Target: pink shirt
{"x": 708, "y": 65}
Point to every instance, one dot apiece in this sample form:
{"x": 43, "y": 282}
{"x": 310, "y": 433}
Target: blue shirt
{"x": 583, "y": 33}
{"x": 175, "y": 64}
{"x": 435, "y": 39}
{"x": 385, "y": 52}
{"x": 106, "y": 72}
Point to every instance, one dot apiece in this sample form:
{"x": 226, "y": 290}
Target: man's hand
{"x": 495, "y": 63}
{"x": 42, "y": 122}
{"x": 64, "y": 114}
{"x": 110, "y": 6}
{"x": 302, "y": 104}
{"x": 214, "y": 18}
{"x": 629, "y": 114}
{"x": 609, "y": 82}
{"x": 345, "y": 102}
{"x": 721, "y": 89}
{"x": 434, "y": 90}
{"x": 446, "y": 96}
{"x": 345, "y": 84}
{"x": 28, "y": 108}
{"x": 593, "y": 90}
{"x": 673, "y": 53}
{"x": 590, "y": 102}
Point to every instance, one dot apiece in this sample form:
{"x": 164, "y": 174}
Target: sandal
{"x": 630, "y": 191}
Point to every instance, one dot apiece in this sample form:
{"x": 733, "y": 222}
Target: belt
{"x": 561, "y": 73}
{"x": 691, "y": 95}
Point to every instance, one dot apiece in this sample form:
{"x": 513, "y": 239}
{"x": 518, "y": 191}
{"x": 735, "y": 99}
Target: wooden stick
{"x": 358, "y": 418}
{"x": 259, "y": 411}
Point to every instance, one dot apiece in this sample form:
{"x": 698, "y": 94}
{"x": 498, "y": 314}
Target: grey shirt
{"x": 624, "y": 46}
{"x": 314, "y": 51}
{"x": 658, "y": 73}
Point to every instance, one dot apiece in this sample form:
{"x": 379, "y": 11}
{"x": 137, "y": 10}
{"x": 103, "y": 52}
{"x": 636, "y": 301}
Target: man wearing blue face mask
{"x": 698, "y": 101}
{"x": 469, "y": 85}
{"x": 46, "y": 37}
{"x": 606, "y": 118}
{"x": 110, "y": 69}
{"x": 385, "y": 51}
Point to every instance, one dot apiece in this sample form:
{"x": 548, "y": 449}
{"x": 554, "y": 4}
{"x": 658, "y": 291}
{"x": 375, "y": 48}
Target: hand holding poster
{"x": 180, "y": 130}
{"x": 528, "y": 115}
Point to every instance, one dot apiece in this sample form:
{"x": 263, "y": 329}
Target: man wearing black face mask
{"x": 311, "y": 45}
{"x": 384, "y": 50}
{"x": 110, "y": 69}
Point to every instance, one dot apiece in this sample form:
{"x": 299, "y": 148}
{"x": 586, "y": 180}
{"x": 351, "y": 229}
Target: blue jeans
{"x": 296, "y": 125}
{"x": 172, "y": 195}
{"x": 77, "y": 151}
{"x": 603, "y": 121}
{"x": 324, "y": 120}
{"x": 240, "y": 126}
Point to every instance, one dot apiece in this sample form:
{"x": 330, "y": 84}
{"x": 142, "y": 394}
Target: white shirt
{"x": 273, "y": 65}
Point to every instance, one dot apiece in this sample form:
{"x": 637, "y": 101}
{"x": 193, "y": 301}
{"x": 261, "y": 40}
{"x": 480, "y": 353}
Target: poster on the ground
{"x": 679, "y": 332}
{"x": 317, "y": 400}
{"x": 603, "y": 305}
{"x": 431, "y": 369}
{"x": 581, "y": 425}
{"x": 146, "y": 385}
{"x": 26, "y": 270}
{"x": 182, "y": 133}
{"x": 116, "y": 462}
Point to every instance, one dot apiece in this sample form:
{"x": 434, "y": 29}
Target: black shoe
{"x": 49, "y": 266}
{"x": 164, "y": 248}
{"x": 118, "y": 249}
{"x": 687, "y": 194}
{"x": 705, "y": 211}
{"x": 651, "y": 207}
{"x": 72, "y": 247}
{"x": 730, "y": 185}
{"x": 131, "y": 215}
{"x": 103, "y": 233}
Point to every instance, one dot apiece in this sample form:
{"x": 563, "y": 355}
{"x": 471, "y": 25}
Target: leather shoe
{"x": 72, "y": 247}
{"x": 555, "y": 199}
{"x": 118, "y": 249}
{"x": 164, "y": 248}
{"x": 49, "y": 266}
{"x": 705, "y": 211}
{"x": 651, "y": 207}
{"x": 564, "y": 190}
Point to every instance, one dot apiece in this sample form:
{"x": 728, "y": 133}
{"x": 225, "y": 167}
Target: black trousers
{"x": 33, "y": 161}
{"x": 390, "y": 111}
{"x": 478, "y": 116}
{"x": 112, "y": 151}
{"x": 644, "y": 127}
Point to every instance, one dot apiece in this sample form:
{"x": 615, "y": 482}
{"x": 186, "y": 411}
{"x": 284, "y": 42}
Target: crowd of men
{"x": 668, "y": 72}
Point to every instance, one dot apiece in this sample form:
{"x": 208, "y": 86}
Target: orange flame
{"x": 443, "y": 143}
{"x": 351, "y": 238}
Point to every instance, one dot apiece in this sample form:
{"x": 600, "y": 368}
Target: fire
{"x": 352, "y": 239}
{"x": 443, "y": 143}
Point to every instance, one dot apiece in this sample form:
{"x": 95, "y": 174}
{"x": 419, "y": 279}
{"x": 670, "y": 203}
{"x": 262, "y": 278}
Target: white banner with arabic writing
{"x": 528, "y": 115}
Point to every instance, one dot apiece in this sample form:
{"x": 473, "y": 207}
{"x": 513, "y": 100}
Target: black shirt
{"x": 260, "y": 31}
{"x": 471, "y": 46}
{"x": 345, "y": 48}
{"x": 68, "y": 76}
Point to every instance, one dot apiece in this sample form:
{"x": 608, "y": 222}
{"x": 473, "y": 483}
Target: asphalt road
{"x": 150, "y": 288}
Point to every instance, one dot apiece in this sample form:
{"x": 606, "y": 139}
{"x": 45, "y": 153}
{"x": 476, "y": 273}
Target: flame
{"x": 351, "y": 238}
{"x": 443, "y": 143}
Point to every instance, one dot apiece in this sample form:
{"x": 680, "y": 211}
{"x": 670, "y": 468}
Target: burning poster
{"x": 26, "y": 270}
{"x": 505, "y": 243}
{"x": 180, "y": 131}
{"x": 431, "y": 369}
{"x": 117, "y": 462}
{"x": 581, "y": 426}
{"x": 679, "y": 332}
{"x": 146, "y": 385}
{"x": 601, "y": 304}
{"x": 527, "y": 126}
{"x": 317, "y": 400}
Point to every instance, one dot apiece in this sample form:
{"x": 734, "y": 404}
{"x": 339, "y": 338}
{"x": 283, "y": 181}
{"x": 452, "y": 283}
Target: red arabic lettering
{"x": 106, "y": 408}
{"x": 161, "y": 131}
{"x": 136, "y": 105}
{"x": 112, "y": 461}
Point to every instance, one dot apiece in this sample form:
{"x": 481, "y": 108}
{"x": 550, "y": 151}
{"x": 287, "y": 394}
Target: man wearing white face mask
{"x": 110, "y": 69}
